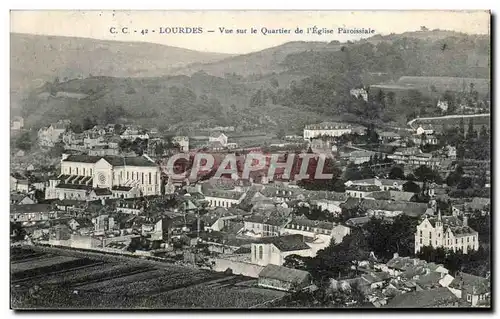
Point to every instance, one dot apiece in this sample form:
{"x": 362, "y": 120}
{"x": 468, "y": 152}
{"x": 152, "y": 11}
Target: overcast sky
{"x": 97, "y": 24}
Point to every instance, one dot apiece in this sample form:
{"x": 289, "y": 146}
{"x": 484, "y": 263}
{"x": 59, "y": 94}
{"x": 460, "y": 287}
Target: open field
{"x": 48, "y": 278}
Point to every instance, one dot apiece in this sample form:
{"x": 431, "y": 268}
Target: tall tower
{"x": 439, "y": 233}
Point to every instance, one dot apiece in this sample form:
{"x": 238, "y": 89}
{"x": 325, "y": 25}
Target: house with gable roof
{"x": 283, "y": 278}
{"x": 448, "y": 232}
{"x": 474, "y": 290}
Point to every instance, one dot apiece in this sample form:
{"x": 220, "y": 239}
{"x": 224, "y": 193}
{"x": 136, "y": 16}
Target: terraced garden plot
{"x": 120, "y": 280}
{"x": 206, "y": 297}
{"x": 43, "y": 277}
{"x": 104, "y": 274}
{"x": 33, "y": 258}
{"x": 49, "y": 268}
{"x": 44, "y": 262}
{"x": 17, "y": 257}
{"x": 160, "y": 284}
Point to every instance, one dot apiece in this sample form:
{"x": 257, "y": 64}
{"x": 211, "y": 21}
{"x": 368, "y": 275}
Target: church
{"x": 85, "y": 177}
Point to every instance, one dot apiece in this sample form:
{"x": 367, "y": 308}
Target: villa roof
{"x": 424, "y": 299}
{"x": 470, "y": 283}
{"x": 286, "y": 243}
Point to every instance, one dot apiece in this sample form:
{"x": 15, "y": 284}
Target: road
{"x": 448, "y": 117}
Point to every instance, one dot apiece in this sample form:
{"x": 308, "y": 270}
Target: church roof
{"x": 113, "y": 160}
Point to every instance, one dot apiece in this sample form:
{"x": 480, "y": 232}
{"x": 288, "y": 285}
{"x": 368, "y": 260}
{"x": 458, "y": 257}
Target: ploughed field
{"x": 47, "y": 278}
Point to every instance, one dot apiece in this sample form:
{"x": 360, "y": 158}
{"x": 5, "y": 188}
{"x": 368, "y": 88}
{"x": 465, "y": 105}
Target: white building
{"x": 223, "y": 198}
{"x": 262, "y": 226}
{"x": 424, "y": 129}
{"x": 443, "y": 105}
{"x": 360, "y": 93}
{"x": 382, "y": 183}
{"x": 424, "y": 139}
{"x": 49, "y": 136}
{"x": 447, "y": 232}
{"x": 413, "y": 157}
{"x": 17, "y": 123}
{"x": 218, "y": 137}
{"x": 321, "y": 232}
{"x": 274, "y": 250}
{"x": 84, "y": 176}
{"x": 183, "y": 142}
{"x": 326, "y": 129}
{"x": 131, "y": 133}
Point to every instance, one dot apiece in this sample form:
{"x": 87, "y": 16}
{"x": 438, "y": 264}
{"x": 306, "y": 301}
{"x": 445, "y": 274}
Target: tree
{"x": 424, "y": 173}
{"x": 281, "y": 134}
{"x": 274, "y": 83}
{"x": 484, "y": 134}
{"x": 371, "y": 134}
{"x": 411, "y": 187}
{"x": 296, "y": 262}
{"x": 340, "y": 259}
{"x": 471, "y": 134}
{"x": 352, "y": 172}
{"x": 461, "y": 128}
{"x": 454, "y": 178}
{"x": 23, "y": 142}
{"x": 57, "y": 150}
{"x": 367, "y": 172}
{"x": 403, "y": 234}
{"x": 88, "y": 123}
{"x": 464, "y": 183}
{"x": 396, "y": 173}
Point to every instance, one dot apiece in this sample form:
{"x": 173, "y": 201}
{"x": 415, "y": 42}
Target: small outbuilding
{"x": 283, "y": 278}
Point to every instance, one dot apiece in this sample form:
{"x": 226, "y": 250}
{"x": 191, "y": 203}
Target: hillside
{"x": 38, "y": 58}
{"x": 258, "y": 63}
{"x": 181, "y": 103}
{"x": 283, "y": 87}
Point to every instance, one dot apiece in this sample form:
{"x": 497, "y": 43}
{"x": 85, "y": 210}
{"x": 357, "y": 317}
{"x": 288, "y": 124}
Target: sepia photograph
{"x": 250, "y": 160}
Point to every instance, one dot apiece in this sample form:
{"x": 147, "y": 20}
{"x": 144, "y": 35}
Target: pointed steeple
{"x": 439, "y": 221}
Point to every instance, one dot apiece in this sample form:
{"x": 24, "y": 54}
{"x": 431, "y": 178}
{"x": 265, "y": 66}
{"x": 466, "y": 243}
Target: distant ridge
{"x": 39, "y": 58}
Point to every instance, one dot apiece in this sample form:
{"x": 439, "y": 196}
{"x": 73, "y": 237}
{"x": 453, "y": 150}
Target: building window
{"x": 469, "y": 297}
{"x": 142, "y": 178}
{"x": 473, "y": 239}
{"x": 467, "y": 239}
{"x": 421, "y": 234}
{"x": 439, "y": 234}
{"x": 456, "y": 241}
{"x": 84, "y": 171}
{"x": 430, "y": 235}
{"x": 261, "y": 252}
{"x": 70, "y": 170}
{"x": 420, "y": 240}
{"x": 127, "y": 175}
{"x": 77, "y": 171}
{"x": 255, "y": 253}
{"x": 149, "y": 177}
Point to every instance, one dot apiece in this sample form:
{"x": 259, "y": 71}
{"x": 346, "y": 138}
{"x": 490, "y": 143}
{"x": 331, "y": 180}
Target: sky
{"x": 98, "y": 24}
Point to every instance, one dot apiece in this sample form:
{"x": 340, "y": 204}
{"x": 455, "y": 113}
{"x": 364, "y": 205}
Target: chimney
{"x": 465, "y": 221}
